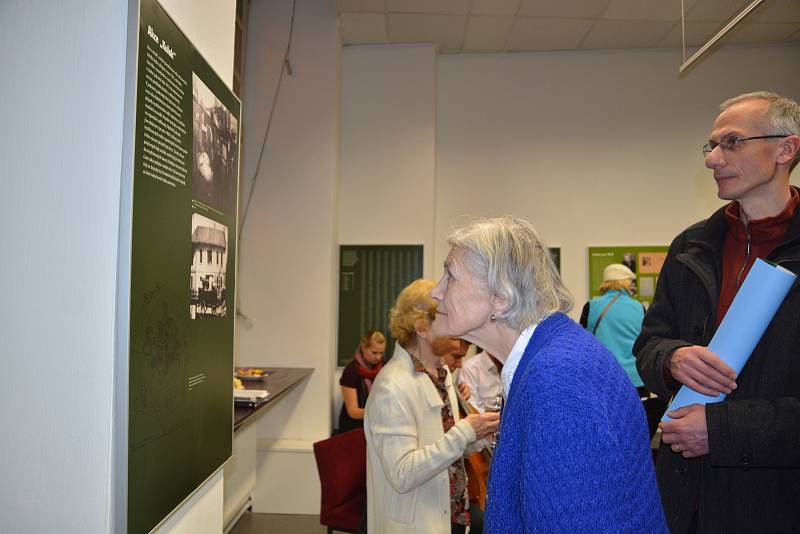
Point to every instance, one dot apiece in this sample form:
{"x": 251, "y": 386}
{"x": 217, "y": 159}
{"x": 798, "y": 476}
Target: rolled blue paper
{"x": 752, "y": 310}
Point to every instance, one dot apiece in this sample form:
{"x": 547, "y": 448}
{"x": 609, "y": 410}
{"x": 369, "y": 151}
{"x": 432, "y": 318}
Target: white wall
{"x": 593, "y": 147}
{"x": 387, "y": 154}
{"x": 388, "y": 147}
{"x": 200, "y": 514}
{"x": 287, "y": 280}
{"x": 60, "y": 144}
{"x": 63, "y": 149}
{"x": 209, "y": 25}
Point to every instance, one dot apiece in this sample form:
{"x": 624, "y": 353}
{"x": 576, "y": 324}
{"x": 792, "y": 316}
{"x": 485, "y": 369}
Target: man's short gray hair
{"x": 783, "y": 116}
{"x": 507, "y": 254}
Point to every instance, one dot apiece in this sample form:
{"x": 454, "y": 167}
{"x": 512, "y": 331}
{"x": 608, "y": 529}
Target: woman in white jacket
{"x": 416, "y": 480}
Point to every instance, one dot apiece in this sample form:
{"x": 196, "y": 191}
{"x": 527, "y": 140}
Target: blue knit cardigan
{"x": 573, "y": 453}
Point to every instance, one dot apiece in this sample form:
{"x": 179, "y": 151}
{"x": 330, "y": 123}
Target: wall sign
{"x": 185, "y": 195}
{"x": 370, "y": 278}
{"x": 645, "y": 261}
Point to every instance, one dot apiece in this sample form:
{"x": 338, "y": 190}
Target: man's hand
{"x": 687, "y": 433}
{"x": 483, "y": 423}
{"x": 466, "y": 393}
{"x": 702, "y": 370}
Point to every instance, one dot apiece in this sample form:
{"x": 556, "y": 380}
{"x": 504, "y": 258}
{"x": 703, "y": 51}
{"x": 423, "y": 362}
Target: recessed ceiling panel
{"x": 494, "y": 7}
{"x": 547, "y": 34}
{"x": 562, "y": 8}
{"x": 533, "y": 25}
{"x": 776, "y": 11}
{"x": 663, "y": 10}
{"x": 487, "y": 33}
{"x": 447, "y": 30}
{"x": 697, "y": 34}
{"x": 757, "y": 33}
{"x": 626, "y": 34}
{"x": 349, "y": 6}
{"x": 715, "y": 10}
{"x": 362, "y": 28}
{"x": 442, "y": 7}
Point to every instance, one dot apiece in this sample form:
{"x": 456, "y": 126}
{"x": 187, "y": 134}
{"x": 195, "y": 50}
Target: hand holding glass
{"x": 484, "y": 424}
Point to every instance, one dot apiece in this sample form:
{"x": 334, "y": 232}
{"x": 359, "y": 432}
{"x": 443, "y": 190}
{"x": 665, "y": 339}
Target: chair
{"x": 342, "y": 467}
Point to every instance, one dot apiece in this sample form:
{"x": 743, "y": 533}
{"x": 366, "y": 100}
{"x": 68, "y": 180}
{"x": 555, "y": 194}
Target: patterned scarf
{"x": 459, "y": 512}
{"x": 365, "y": 371}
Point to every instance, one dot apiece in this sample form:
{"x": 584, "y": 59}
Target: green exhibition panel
{"x": 644, "y": 261}
{"x": 185, "y": 195}
{"x": 370, "y": 278}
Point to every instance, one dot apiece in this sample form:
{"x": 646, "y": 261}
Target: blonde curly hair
{"x": 413, "y": 303}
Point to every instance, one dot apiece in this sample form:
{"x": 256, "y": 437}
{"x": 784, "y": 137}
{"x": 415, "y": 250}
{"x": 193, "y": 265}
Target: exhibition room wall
{"x": 371, "y": 144}
{"x": 288, "y": 254}
{"x": 64, "y": 209}
{"x": 593, "y": 147}
{"x": 387, "y": 163}
{"x": 397, "y": 144}
{"x": 61, "y": 147}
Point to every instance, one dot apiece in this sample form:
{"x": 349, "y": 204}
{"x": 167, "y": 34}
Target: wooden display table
{"x": 241, "y": 470}
{"x": 279, "y": 381}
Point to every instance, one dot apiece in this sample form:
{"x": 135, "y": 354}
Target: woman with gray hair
{"x": 573, "y": 450}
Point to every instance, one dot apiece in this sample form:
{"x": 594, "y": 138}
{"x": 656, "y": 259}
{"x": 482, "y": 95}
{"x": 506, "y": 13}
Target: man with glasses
{"x": 732, "y": 466}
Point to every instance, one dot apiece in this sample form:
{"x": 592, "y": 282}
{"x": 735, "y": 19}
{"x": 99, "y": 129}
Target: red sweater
{"x": 746, "y": 242}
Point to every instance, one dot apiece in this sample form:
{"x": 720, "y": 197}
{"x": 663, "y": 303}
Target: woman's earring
{"x": 492, "y": 318}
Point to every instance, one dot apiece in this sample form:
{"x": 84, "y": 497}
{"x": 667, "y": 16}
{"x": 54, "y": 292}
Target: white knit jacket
{"x": 408, "y": 452}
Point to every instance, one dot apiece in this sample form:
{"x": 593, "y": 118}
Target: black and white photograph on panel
{"x": 207, "y": 277}
{"x": 214, "y": 150}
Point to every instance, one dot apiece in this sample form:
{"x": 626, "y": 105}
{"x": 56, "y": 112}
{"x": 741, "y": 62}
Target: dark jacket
{"x": 750, "y": 480}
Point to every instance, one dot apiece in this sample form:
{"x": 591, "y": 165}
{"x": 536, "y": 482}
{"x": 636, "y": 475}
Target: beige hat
{"x": 617, "y": 271}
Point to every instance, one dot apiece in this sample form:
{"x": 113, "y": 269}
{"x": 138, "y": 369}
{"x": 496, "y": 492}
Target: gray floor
{"x": 251, "y": 523}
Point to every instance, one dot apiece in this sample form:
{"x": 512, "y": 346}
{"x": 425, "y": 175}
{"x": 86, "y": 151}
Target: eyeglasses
{"x": 734, "y": 142}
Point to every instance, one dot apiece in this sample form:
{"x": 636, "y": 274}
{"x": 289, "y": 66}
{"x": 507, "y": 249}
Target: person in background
{"x": 573, "y": 452}
{"x": 357, "y": 379}
{"x": 615, "y": 318}
{"x": 416, "y": 440}
{"x": 734, "y": 465}
{"x": 481, "y": 374}
{"x": 452, "y": 350}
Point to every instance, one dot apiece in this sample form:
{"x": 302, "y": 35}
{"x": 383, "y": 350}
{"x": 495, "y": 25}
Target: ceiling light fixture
{"x": 734, "y": 21}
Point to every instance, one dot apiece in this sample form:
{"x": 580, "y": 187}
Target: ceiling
{"x": 536, "y": 25}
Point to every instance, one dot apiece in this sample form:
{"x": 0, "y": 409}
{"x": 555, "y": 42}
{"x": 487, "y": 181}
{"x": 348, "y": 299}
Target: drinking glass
{"x": 493, "y": 404}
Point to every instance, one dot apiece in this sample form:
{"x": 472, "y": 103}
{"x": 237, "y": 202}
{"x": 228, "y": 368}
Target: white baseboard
{"x": 287, "y": 481}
